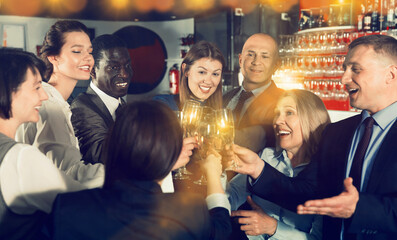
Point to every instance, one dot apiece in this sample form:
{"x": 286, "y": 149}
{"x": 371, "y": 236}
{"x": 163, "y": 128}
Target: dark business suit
{"x": 259, "y": 113}
{"x": 136, "y": 210}
{"x": 376, "y": 211}
{"x": 91, "y": 121}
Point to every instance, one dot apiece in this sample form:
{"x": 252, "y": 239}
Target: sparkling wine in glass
{"x": 225, "y": 126}
{"x": 206, "y": 137}
{"x": 180, "y": 173}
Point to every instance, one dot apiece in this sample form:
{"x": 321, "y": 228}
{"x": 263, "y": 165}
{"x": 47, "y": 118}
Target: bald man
{"x": 253, "y": 103}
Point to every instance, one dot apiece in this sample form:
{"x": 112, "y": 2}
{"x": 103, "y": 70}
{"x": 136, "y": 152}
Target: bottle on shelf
{"x": 390, "y": 16}
{"x": 320, "y": 20}
{"x": 375, "y": 24}
{"x": 331, "y": 16}
{"x": 360, "y": 18}
{"x": 383, "y": 16}
{"x": 368, "y": 17}
{"x": 302, "y": 21}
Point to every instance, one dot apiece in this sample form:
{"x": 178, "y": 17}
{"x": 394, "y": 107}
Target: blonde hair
{"x": 313, "y": 117}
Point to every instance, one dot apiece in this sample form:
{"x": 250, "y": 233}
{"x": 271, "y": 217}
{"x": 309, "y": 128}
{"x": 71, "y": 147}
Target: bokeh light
{"x": 230, "y": 3}
{"x": 163, "y": 5}
{"x": 74, "y": 6}
{"x": 199, "y": 4}
{"x": 143, "y": 5}
{"x": 119, "y": 4}
{"x": 22, "y": 7}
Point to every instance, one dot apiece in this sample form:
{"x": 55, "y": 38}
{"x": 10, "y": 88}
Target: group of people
{"x": 102, "y": 169}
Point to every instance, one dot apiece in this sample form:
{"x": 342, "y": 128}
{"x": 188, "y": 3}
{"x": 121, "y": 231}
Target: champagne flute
{"x": 191, "y": 115}
{"x": 180, "y": 172}
{"x": 225, "y": 128}
{"x": 192, "y": 112}
{"x": 206, "y": 136}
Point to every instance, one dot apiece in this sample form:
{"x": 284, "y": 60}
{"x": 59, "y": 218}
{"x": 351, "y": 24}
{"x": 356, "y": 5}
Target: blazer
{"x": 375, "y": 214}
{"x": 259, "y": 113}
{"x": 91, "y": 121}
{"x": 136, "y": 210}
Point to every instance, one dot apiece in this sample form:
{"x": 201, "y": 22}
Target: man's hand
{"x": 187, "y": 150}
{"x": 341, "y": 206}
{"x": 248, "y": 162}
{"x": 256, "y": 221}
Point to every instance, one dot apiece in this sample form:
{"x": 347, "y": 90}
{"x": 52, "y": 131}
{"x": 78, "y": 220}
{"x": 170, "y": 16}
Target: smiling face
{"x": 114, "y": 72}
{"x": 26, "y": 101}
{"x": 287, "y": 126}
{"x": 258, "y": 61}
{"x": 365, "y": 78}
{"x": 204, "y": 77}
{"x": 74, "y": 60}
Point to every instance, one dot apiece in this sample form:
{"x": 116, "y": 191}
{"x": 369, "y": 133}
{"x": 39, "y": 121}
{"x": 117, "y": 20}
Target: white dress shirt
{"x": 30, "y": 181}
{"x": 110, "y": 102}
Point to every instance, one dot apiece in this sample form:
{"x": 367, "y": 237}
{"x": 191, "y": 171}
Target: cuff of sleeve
{"x": 282, "y": 231}
{"x": 252, "y": 181}
{"x": 218, "y": 200}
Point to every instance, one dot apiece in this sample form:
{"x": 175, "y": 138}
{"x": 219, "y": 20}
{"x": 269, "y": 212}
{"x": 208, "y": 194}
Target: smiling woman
{"x": 200, "y": 79}
{"x": 67, "y": 53}
{"x": 299, "y": 122}
{"x": 29, "y": 181}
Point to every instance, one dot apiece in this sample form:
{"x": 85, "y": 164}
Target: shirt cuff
{"x": 283, "y": 231}
{"x": 218, "y": 200}
{"x": 252, "y": 181}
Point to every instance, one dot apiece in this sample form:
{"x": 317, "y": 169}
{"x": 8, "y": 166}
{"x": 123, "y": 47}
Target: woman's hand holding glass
{"x": 248, "y": 161}
{"x": 187, "y": 150}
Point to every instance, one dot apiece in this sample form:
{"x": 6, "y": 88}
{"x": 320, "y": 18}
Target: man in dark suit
{"x": 93, "y": 112}
{"x": 353, "y": 174}
{"x": 253, "y": 103}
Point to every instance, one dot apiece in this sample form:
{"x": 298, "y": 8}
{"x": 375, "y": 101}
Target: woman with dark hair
{"x": 200, "y": 78}
{"x": 29, "y": 181}
{"x": 67, "y": 53}
{"x": 140, "y": 151}
{"x": 300, "y": 118}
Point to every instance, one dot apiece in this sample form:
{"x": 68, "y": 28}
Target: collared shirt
{"x": 256, "y": 92}
{"x": 54, "y": 136}
{"x": 110, "y": 102}
{"x": 384, "y": 119}
{"x": 290, "y": 225}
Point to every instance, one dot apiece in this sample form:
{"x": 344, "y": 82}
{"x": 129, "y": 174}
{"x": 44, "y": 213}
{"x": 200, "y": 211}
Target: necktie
{"x": 357, "y": 165}
{"x": 121, "y": 104}
{"x": 244, "y": 96}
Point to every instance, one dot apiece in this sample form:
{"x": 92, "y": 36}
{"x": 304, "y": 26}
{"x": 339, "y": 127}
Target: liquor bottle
{"x": 368, "y": 17}
{"x": 311, "y": 23}
{"x": 375, "y": 18}
{"x": 390, "y": 15}
{"x": 320, "y": 20}
{"x": 395, "y": 15}
{"x": 331, "y": 16}
{"x": 360, "y": 18}
{"x": 383, "y": 16}
{"x": 302, "y": 22}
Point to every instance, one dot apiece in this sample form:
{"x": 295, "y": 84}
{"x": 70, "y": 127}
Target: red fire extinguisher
{"x": 174, "y": 79}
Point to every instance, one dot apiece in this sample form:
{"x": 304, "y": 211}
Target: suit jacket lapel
{"x": 384, "y": 159}
{"x": 229, "y": 95}
{"x": 264, "y": 101}
{"x": 100, "y": 106}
